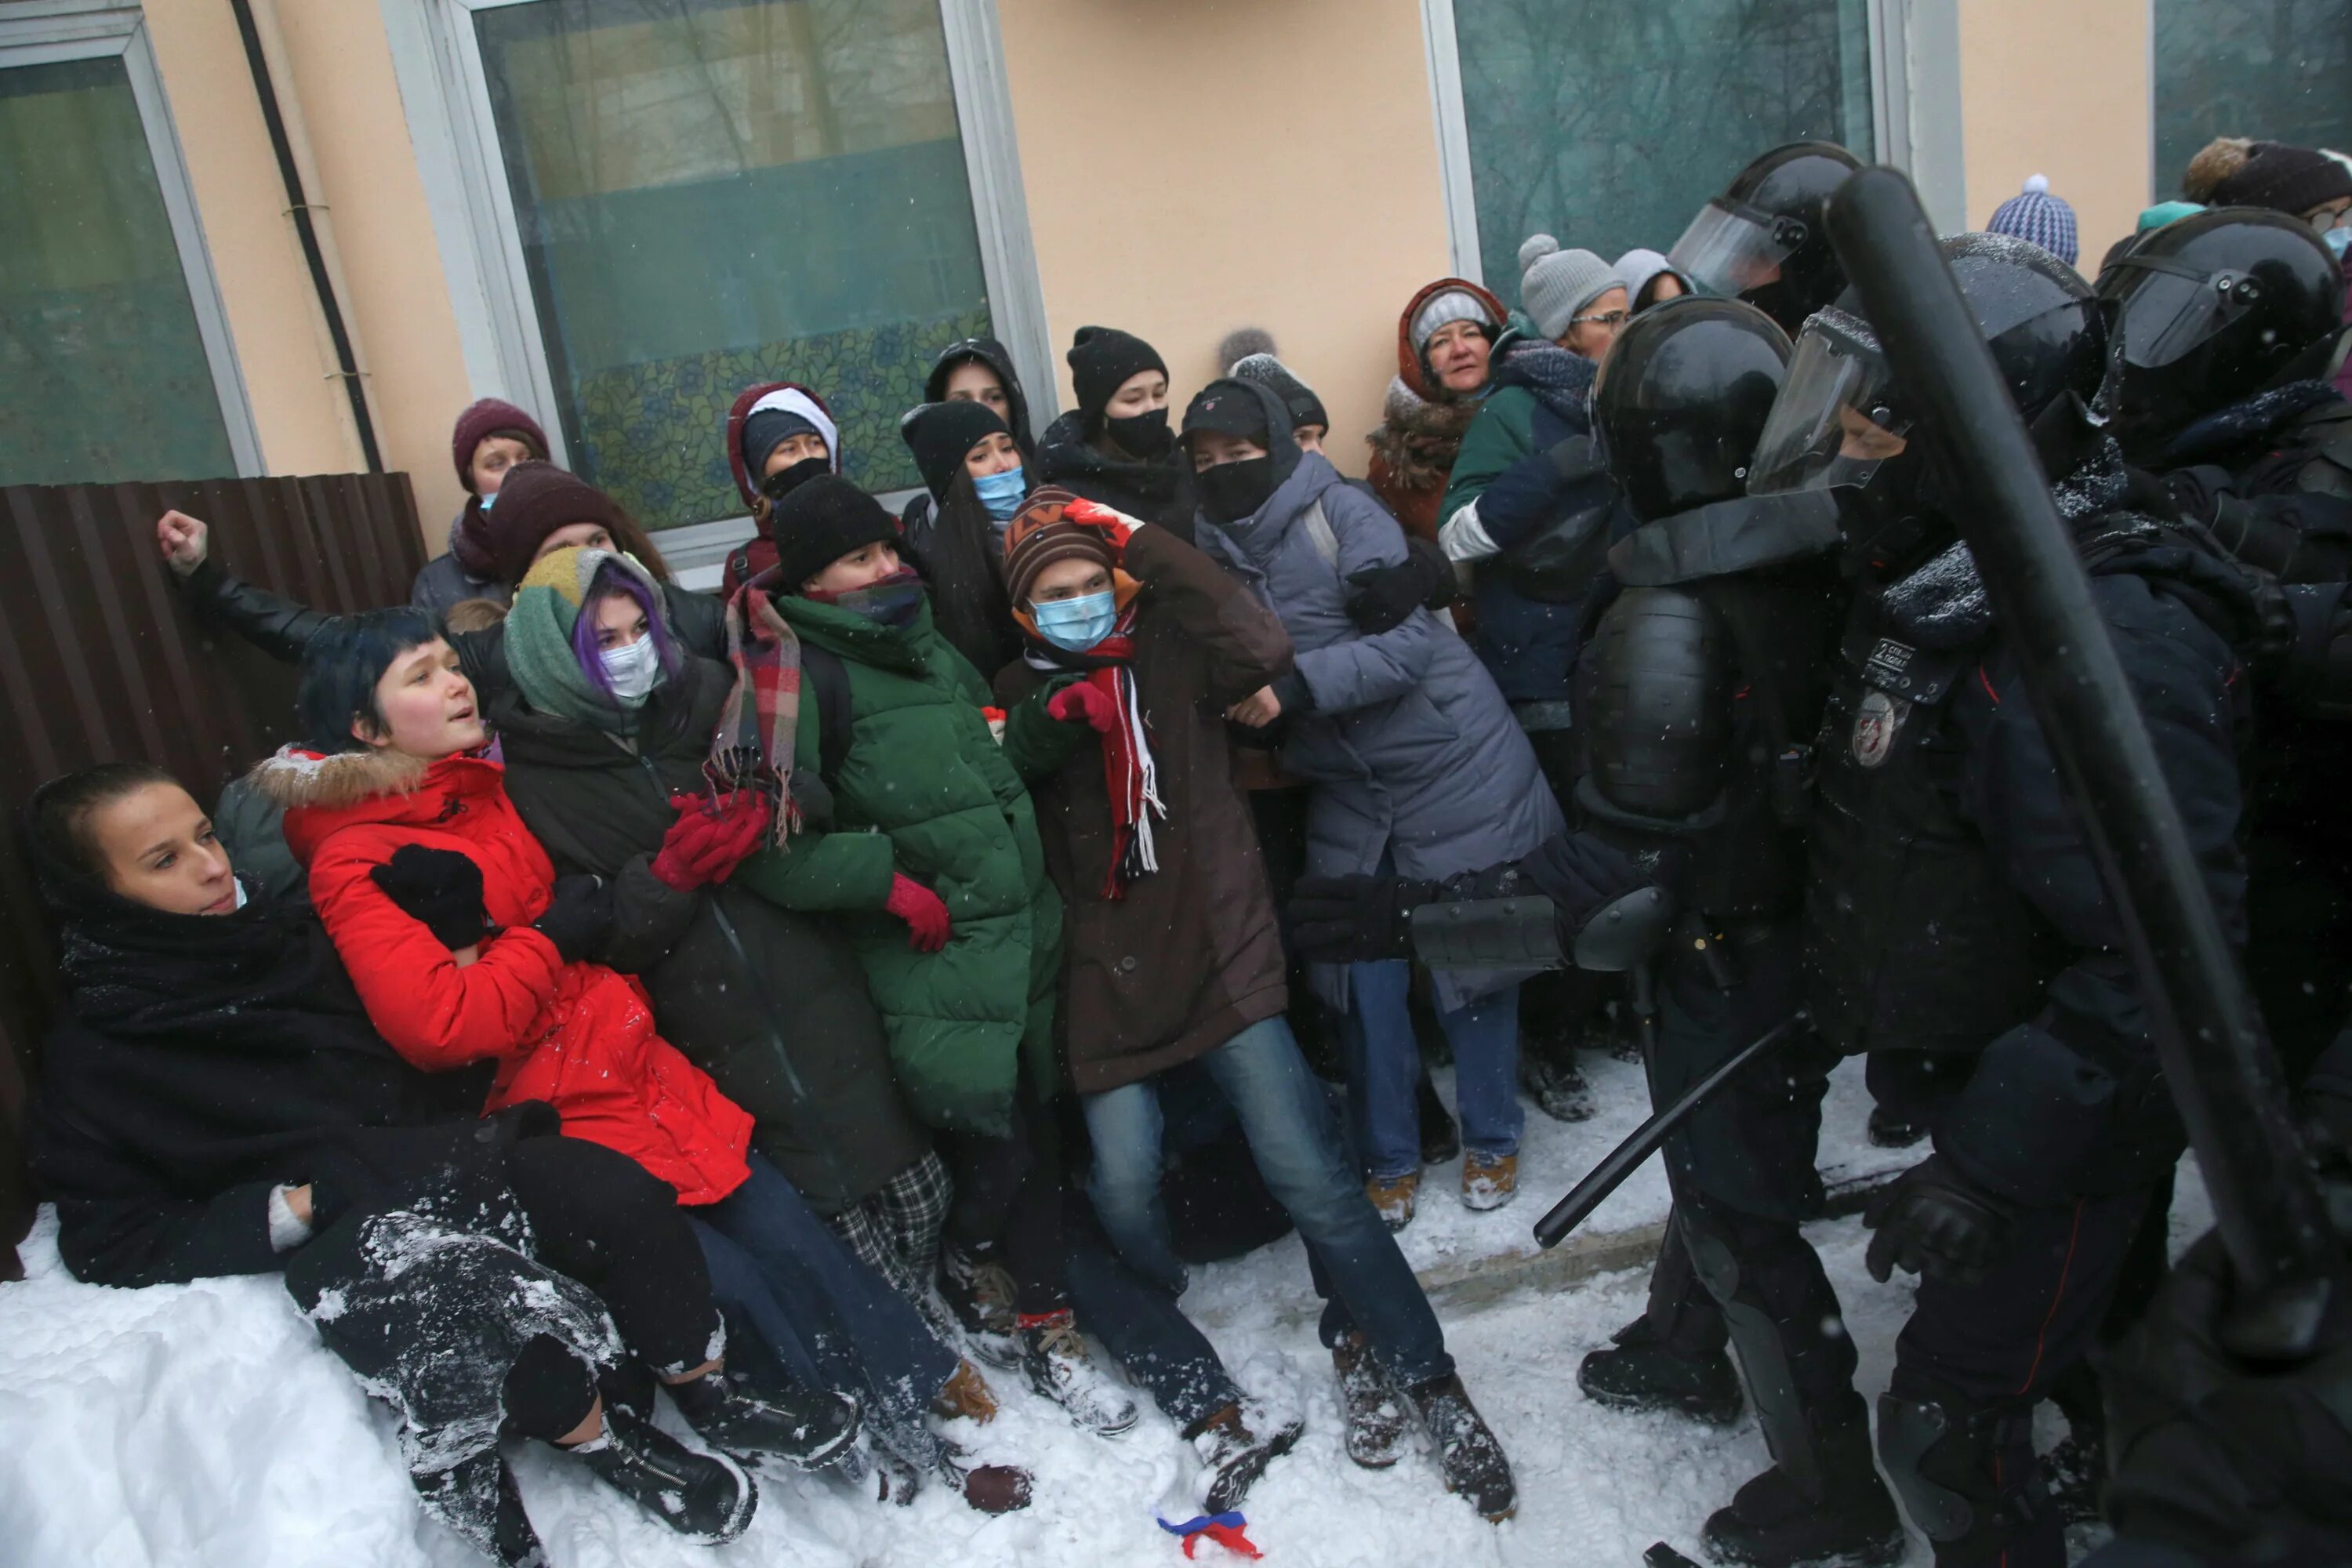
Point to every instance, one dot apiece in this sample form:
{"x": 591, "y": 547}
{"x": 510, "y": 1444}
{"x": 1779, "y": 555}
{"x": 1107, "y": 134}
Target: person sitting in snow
{"x": 217, "y": 1102}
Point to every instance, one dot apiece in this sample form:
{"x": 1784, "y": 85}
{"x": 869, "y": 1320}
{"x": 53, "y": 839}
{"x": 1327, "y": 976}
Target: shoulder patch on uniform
{"x": 1875, "y": 724}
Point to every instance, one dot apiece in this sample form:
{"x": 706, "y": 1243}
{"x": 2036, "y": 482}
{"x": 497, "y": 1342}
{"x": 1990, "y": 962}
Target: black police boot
{"x": 1468, "y": 1456}
{"x": 1641, "y": 1372}
{"x": 1844, "y": 1516}
{"x": 706, "y": 1498}
{"x": 800, "y": 1426}
{"x": 1556, "y": 1086}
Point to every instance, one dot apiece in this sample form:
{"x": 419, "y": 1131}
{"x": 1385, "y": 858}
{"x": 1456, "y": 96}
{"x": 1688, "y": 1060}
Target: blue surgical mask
{"x": 489, "y": 500}
{"x": 1076, "y": 624}
{"x": 2337, "y": 238}
{"x": 1002, "y": 493}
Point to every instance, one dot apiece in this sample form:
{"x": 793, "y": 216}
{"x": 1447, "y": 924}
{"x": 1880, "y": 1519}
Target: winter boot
{"x": 1775, "y": 1523}
{"x": 988, "y": 1489}
{"x": 1233, "y": 1455}
{"x": 966, "y": 1396}
{"x": 1393, "y": 1197}
{"x": 979, "y": 1291}
{"x": 1557, "y": 1087}
{"x": 1468, "y": 1454}
{"x": 1489, "y": 1181}
{"x": 905, "y": 1453}
{"x": 1641, "y": 1372}
{"x": 706, "y": 1498}
{"x": 1888, "y": 1130}
{"x": 799, "y": 1427}
{"x": 1375, "y": 1414}
{"x": 1441, "y": 1139}
{"x": 1054, "y": 1354}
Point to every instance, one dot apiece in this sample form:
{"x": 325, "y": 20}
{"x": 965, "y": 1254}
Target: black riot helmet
{"x": 1682, "y": 397}
{"x": 1842, "y": 423}
{"x": 2213, "y": 308}
{"x": 1763, "y": 240}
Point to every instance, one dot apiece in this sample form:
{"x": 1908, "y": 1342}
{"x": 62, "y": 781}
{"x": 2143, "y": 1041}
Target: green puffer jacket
{"x": 925, "y": 789}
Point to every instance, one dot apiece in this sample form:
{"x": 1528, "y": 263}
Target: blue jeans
{"x": 1146, "y": 1333}
{"x": 828, "y": 1319}
{"x": 1286, "y": 1116}
{"x": 1384, "y": 1069}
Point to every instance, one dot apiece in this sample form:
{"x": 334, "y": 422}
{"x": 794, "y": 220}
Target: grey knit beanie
{"x": 1555, "y": 285}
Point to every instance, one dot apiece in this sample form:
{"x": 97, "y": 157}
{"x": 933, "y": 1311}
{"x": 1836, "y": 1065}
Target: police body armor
{"x": 1914, "y": 939}
{"x": 1701, "y": 686}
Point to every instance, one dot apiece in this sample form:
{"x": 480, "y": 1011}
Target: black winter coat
{"x": 918, "y": 521}
{"x": 1158, "y": 492}
{"x": 771, "y": 1003}
{"x": 964, "y": 561}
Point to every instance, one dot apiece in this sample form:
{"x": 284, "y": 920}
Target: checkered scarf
{"x": 760, "y": 725}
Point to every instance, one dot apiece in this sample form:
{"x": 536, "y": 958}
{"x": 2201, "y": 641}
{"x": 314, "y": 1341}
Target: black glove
{"x": 1385, "y": 595}
{"x": 580, "y": 918}
{"x": 439, "y": 886}
{"x": 1580, "y": 873}
{"x": 1935, "y": 1222}
{"x": 1356, "y": 920}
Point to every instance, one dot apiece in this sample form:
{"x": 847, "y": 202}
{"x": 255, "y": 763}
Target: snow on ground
{"x": 203, "y": 1425}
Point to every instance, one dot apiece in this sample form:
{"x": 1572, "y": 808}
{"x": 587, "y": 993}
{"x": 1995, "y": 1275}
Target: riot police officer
{"x": 1763, "y": 240}
{"x": 1954, "y": 912}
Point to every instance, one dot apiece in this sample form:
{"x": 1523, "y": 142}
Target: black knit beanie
{"x": 1101, "y": 358}
{"x": 823, "y": 520}
{"x": 2284, "y": 179}
{"x": 941, "y": 433}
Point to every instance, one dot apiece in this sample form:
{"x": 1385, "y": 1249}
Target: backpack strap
{"x": 828, "y": 681}
{"x": 1318, "y": 530}
{"x": 738, "y": 570}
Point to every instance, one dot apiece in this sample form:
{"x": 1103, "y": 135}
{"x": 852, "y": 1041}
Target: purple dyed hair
{"x": 612, "y": 578}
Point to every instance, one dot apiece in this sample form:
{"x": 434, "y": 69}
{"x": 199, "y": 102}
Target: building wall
{"x": 1192, "y": 170}
{"x": 2077, "y": 109}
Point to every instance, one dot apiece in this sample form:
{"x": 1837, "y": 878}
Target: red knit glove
{"x": 1114, "y": 526}
{"x": 704, "y": 846}
{"x": 1084, "y": 702}
{"x": 926, "y": 917}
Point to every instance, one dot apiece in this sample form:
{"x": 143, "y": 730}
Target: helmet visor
{"x": 1728, "y": 249}
{"x": 1834, "y": 421}
{"x": 2176, "y": 307}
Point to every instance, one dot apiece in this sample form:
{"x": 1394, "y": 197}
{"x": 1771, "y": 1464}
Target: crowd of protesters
{"x": 820, "y": 998}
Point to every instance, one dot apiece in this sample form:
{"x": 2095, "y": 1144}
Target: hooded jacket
{"x": 771, "y": 1003}
{"x": 1412, "y": 751}
{"x": 1421, "y": 424}
{"x": 576, "y": 1035}
{"x": 1189, "y": 955}
{"x": 1158, "y": 492}
{"x": 926, "y": 790}
{"x": 757, "y": 554}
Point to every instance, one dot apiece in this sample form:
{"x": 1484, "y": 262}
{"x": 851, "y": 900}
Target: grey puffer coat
{"x": 1413, "y": 751}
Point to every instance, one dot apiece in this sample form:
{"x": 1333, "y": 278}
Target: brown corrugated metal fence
{"x": 100, "y": 662}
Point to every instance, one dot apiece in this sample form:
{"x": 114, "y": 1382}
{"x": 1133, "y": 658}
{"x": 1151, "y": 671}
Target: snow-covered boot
{"x": 1847, "y": 1519}
{"x": 1468, "y": 1453}
{"x": 1641, "y": 1372}
{"x": 1557, "y": 1087}
{"x": 706, "y": 1498}
{"x": 517, "y": 1542}
{"x": 1394, "y": 1198}
{"x": 1376, "y": 1416}
{"x": 979, "y": 1290}
{"x": 1489, "y": 1181}
{"x": 1054, "y": 1354}
{"x": 1235, "y": 1445}
{"x": 802, "y": 1426}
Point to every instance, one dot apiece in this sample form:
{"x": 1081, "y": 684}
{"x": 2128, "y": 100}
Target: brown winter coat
{"x": 1421, "y": 423}
{"x": 1191, "y": 956}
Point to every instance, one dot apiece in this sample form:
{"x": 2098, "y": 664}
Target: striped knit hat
{"x": 2037, "y": 217}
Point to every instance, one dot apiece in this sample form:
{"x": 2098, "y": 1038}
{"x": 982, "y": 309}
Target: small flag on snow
{"x": 1224, "y": 1529}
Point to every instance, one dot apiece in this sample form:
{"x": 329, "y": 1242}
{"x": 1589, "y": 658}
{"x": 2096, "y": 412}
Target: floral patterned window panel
{"x": 1608, "y": 125}
{"x": 713, "y": 193}
{"x": 103, "y": 376}
{"x": 2276, "y": 70}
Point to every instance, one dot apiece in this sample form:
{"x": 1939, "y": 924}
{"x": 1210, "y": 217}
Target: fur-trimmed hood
{"x": 1417, "y": 438}
{"x": 322, "y": 792}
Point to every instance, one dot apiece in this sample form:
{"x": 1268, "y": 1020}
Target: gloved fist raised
{"x": 1936, "y": 1223}
{"x": 1385, "y": 595}
{"x": 1356, "y": 920}
{"x": 441, "y": 888}
{"x": 927, "y": 928}
{"x": 579, "y": 919}
{"x": 708, "y": 842}
{"x": 1113, "y": 524}
{"x": 1084, "y": 702}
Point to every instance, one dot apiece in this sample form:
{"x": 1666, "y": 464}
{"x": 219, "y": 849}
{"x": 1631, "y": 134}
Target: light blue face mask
{"x": 1076, "y": 624}
{"x": 1002, "y": 493}
{"x": 2337, "y": 238}
{"x": 489, "y": 500}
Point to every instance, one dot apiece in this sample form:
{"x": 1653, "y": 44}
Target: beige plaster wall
{"x": 2076, "y": 110}
{"x": 1191, "y": 168}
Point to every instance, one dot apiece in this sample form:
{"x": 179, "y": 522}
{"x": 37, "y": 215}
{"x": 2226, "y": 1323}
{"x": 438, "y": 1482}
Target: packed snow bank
{"x": 204, "y": 1425}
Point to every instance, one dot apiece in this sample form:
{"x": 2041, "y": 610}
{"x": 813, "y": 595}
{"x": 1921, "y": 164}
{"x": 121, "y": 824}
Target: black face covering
{"x": 1144, "y": 436}
{"x": 1231, "y": 492}
{"x": 784, "y": 481}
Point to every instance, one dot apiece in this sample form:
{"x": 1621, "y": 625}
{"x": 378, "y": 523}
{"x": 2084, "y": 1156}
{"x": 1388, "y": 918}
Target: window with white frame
{"x": 115, "y": 361}
{"x": 1608, "y": 125}
{"x": 674, "y": 199}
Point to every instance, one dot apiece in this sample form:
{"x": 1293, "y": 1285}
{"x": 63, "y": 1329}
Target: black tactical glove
{"x": 1935, "y": 1222}
{"x": 1356, "y": 920}
{"x": 439, "y": 886}
{"x": 580, "y": 918}
{"x": 1385, "y": 595}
